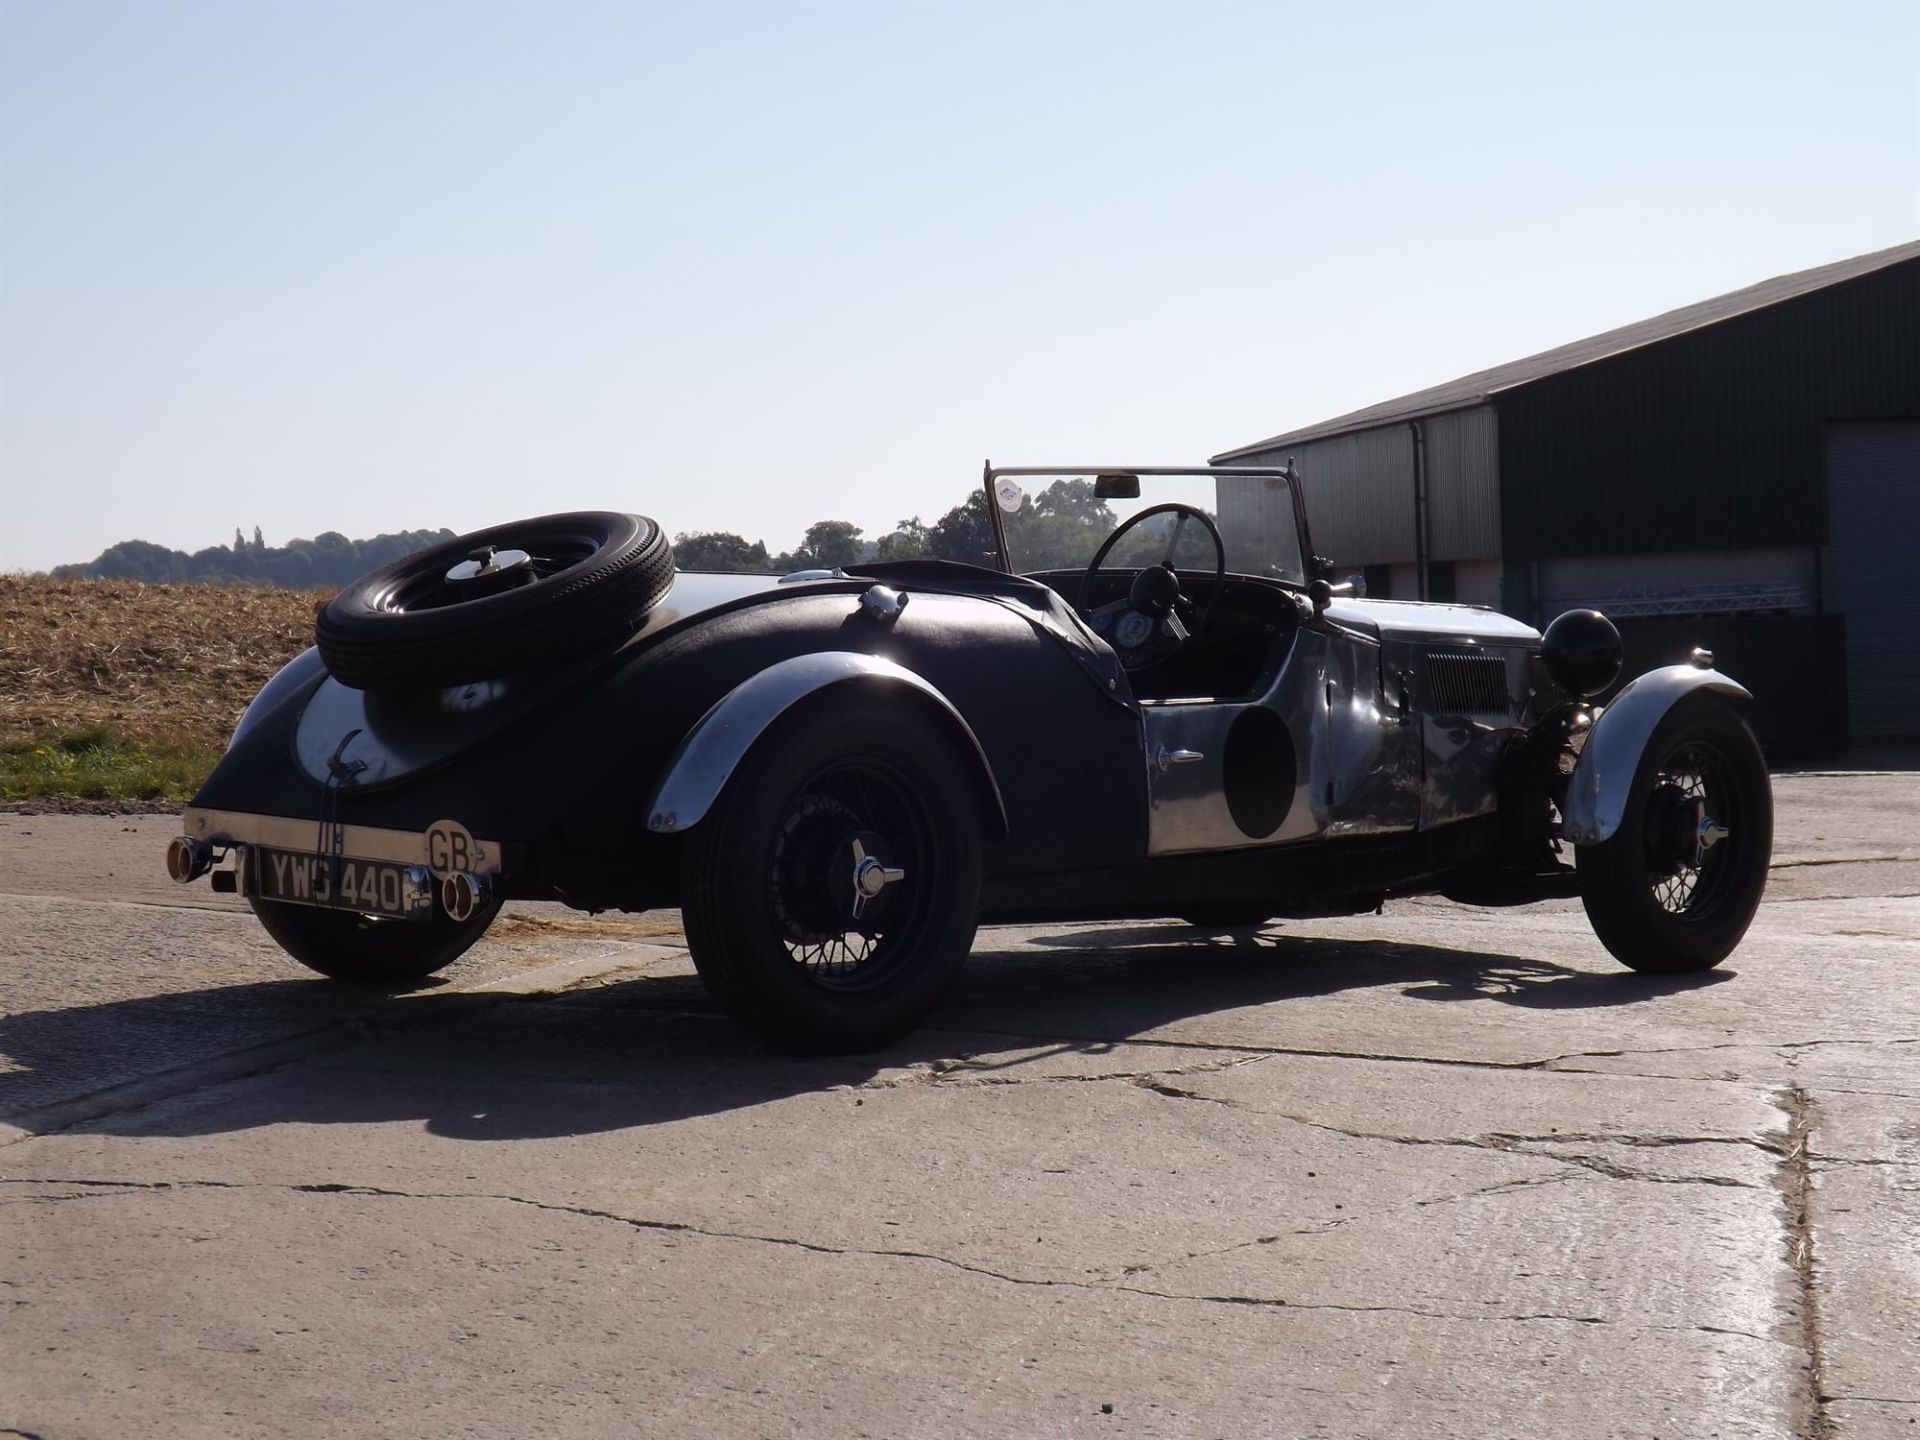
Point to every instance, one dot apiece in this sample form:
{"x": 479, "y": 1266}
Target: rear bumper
{"x": 443, "y": 847}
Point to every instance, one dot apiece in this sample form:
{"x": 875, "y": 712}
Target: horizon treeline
{"x": 1054, "y": 529}
{"x": 963, "y": 533}
{"x": 328, "y": 559}
{"x": 1058, "y": 527}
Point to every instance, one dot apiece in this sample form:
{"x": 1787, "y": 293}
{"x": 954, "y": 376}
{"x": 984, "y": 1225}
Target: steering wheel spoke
{"x": 1155, "y": 592}
{"x": 1173, "y": 544}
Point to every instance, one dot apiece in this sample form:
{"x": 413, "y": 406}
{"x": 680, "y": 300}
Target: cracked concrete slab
{"x": 141, "y": 978}
{"x": 1867, "y": 1281}
{"x": 1118, "y": 1187}
{"x": 1864, "y": 1160}
{"x": 1440, "y": 1171}
{"x": 1507, "y": 988}
{"x": 1869, "y": 1129}
{"x": 337, "y": 1308}
{"x": 1873, "y": 1419}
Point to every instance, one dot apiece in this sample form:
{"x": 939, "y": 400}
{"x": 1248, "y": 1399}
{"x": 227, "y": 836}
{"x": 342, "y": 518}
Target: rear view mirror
{"x": 1116, "y": 487}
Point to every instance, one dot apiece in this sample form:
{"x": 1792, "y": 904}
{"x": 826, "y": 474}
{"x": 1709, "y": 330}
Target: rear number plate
{"x": 372, "y": 887}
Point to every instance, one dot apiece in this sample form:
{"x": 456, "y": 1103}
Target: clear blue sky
{"x": 366, "y": 267}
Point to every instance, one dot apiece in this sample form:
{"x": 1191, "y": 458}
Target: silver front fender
{"x": 1597, "y": 792}
{"x": 706, "y": 759}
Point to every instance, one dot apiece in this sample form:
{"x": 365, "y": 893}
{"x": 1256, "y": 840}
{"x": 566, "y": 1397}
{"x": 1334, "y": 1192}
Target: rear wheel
{"x": 1676, "y": 887}
{"x": 831, "y": 895}
{"x": 363, "y": 950}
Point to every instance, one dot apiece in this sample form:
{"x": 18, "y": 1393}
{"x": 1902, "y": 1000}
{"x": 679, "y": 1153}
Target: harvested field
{"x": 171, "y": 664}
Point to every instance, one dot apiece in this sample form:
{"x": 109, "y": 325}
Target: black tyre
{"x": 831, "y": 894}
{"x": 1676, "y": 887}
{"x": 362, "y": 950}
{"x": 497, "y": 602}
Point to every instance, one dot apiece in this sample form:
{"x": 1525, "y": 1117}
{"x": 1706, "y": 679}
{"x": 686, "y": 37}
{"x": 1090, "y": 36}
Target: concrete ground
{"x": 1437, "y": 1172}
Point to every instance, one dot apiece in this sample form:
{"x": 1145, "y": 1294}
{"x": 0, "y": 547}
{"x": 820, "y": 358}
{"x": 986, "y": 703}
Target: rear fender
{"x": 303, "y": 671}
{"x": 720, "y": 739}
{"x": 1597, "y": 792}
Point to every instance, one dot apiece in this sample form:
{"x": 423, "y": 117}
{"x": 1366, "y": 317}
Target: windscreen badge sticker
{"x": 1009, "y": 493}
{"x": 450, "y": 847}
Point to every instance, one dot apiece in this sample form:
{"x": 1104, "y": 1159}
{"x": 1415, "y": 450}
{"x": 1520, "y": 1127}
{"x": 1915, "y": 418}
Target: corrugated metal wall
{"x": 1711, "y": 440}
{"x": 1256, "y": 517}
{"x": 1463, "y": 485}
{"x": 1873, "y": 481}
{"x": 1360, "y": 490}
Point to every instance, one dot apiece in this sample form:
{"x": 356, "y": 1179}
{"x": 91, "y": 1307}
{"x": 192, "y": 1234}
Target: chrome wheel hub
{"x": 871, "y": 875}
{"x": 486, "y": 563}
{"x": 838, "y": 897}
{"x": 1708, "y": 832}
{"x": 1686, "y": 820}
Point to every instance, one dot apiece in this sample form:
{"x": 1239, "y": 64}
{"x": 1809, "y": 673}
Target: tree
{"x": 139, "y": 560}
{"x": 290, "y": 567}
{"x": 720, "y": 550}
{"x": 1074, "y": 500}
{"x": 965, "y": 533}
{"x": 910, "y": 540}
{"x": 829, "y": 543}
{"x": 1060, "y": 528}
{"x": 330, "y": 559}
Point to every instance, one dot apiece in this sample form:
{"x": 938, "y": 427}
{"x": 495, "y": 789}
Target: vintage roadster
{"x": 839, "y": 774}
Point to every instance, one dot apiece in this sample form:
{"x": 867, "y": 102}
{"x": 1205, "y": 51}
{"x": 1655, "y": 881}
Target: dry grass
{"x": 171, "y": 665}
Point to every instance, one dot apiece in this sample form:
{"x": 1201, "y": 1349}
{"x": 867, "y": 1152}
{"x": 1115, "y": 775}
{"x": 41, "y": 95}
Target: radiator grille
{"x": 1465, "y": 684}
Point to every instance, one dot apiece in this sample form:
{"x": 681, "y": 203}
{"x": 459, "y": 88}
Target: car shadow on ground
{"x": 1297, "y": 966}
{"x": 648, "y": 1051}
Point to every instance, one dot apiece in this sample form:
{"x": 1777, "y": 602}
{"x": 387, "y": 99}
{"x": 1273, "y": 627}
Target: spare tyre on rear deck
{"x": 500, "y": 601}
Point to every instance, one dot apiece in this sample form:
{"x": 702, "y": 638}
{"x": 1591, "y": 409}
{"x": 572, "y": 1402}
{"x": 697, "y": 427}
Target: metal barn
{"x": 1742, "y": 473}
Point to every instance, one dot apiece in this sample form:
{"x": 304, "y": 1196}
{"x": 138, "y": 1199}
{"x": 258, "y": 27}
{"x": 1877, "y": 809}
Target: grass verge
{"x": 99, "y": 764}
{"x": 119, "y": 695}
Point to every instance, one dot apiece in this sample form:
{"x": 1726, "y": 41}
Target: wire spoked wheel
{"x": 1677, "y": 885}
{"x": 849, "y": 861}
{"x": 1685, "y": 826}
{"x": 498, "y": 602}
{"x": 830, "y": 895}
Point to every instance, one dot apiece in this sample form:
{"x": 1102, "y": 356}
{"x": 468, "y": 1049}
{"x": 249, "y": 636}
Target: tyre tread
{"x": 372, "y": 649}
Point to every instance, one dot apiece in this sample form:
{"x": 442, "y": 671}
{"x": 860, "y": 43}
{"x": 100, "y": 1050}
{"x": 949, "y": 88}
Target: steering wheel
{"x": 1154, "y": 619}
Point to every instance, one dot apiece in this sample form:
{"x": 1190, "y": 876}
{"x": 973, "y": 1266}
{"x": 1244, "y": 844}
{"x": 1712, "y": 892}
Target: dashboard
{"x": 1243, "y": 643}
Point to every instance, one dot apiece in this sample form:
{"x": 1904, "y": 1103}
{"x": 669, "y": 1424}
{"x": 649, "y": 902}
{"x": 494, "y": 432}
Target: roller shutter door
{"x": 1873, "y": 509}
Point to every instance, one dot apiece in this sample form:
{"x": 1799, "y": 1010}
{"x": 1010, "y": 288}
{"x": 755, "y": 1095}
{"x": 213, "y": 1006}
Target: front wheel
{"x": 363, "y": 950}
{"x": 1676, "y": 886}
{"x": 831, "y": 895}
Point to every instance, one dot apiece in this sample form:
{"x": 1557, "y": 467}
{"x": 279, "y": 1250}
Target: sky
{"x": 369, "y": 267}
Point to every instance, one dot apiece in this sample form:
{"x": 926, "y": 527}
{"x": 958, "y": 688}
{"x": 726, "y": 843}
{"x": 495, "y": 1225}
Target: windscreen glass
{"x": 1056, "y": 522}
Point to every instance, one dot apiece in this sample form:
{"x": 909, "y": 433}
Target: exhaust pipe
{"x": 188, "y": 859}
{"x": 238, "y": 880}
{"x": 461, "y": 894}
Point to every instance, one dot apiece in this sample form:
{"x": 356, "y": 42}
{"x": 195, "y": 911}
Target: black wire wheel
{"x": 501, "y": 601}
{"x": 1676, "y": 887}
{"x": 831, "y": 895}
{"x": 367, "y": 949}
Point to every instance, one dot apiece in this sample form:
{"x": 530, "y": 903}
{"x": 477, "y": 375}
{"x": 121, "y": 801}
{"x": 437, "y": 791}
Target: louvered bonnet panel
{"x": 1466, "y": 683}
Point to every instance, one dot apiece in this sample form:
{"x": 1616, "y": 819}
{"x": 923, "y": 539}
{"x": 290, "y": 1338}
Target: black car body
{"x": 838, "y": 775}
